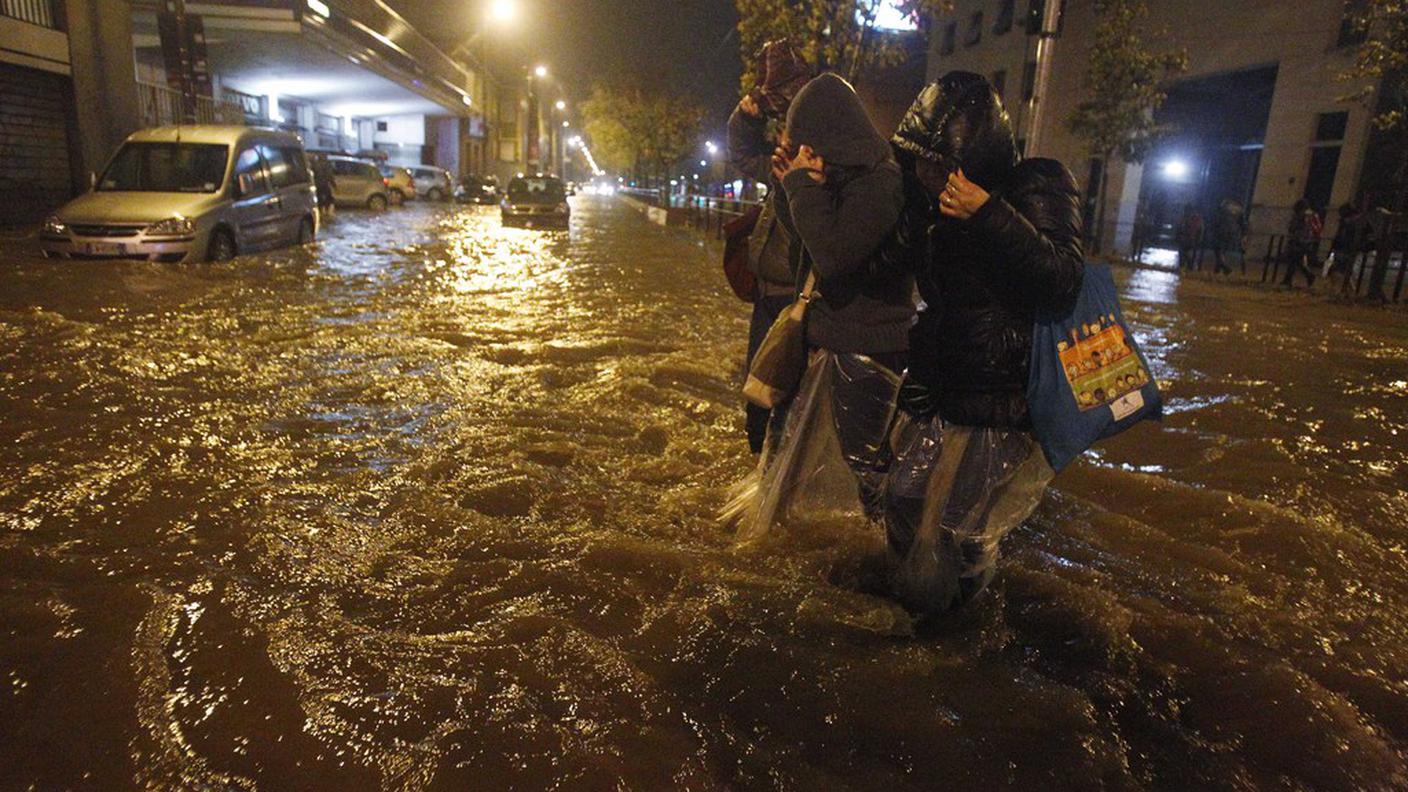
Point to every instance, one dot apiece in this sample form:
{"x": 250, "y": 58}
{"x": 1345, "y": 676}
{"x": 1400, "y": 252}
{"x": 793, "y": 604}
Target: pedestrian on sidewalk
{"x": 1348, "y": 241}
{"x": 1302, "y": 239}
{"x": 1003, "y": 244}
{"x": 1189, "y": 237}
{"x": 773, "y": 254}
{"x": 1230, "y": 235}
{"x": 842, "y": 194}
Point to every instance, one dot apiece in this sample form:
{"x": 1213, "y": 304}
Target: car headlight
{"x": 55, "y": 227}
{"x": 175, "y": 226}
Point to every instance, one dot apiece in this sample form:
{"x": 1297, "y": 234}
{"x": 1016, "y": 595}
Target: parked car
{"x": 432, "y": 183}
{"x": 535, "y": 199}
{"x": 190, "y": 193}
{"x": 357, "y": 183}
{"x": 400, "y": 185}
{"x": 477, "y": 189}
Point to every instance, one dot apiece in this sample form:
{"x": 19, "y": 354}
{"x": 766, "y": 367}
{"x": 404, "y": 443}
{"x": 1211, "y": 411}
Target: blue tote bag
{"x": 1088, "y": 379}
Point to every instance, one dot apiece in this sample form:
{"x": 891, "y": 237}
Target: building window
{"x": 1353, "y": 28}
{"x": 1330, "y": 127}
{"x": 975, "y": 29}
{"x": 381, "y": 126}
{"x": 950, "y": 36}
{"x": 999, "y": 83}
{"x": 1028, "y": 81}
{"x": 1006, "y": 9}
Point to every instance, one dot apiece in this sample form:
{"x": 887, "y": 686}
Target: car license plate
{"x": 104, "y": 249}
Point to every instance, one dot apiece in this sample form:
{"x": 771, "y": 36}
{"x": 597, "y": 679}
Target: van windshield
{"x": 166, "y": 167}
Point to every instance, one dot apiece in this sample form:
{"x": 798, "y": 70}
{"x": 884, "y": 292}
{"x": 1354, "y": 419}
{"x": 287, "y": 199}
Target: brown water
{"x": 430, "y": 506}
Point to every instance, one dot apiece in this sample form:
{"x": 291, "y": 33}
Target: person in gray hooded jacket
{"x": 842, "y": 195}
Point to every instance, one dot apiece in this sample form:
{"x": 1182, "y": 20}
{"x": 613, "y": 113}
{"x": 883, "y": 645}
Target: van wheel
{"x": 376, "y": 202}
{"x": 305, "y": 231}
{"x": 221, "y": 247}
{"x": 398, "y": 198}
{"x": 435, "y": 195}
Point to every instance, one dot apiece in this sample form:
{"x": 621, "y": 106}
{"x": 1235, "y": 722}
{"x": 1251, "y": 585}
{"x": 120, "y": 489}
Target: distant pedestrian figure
{"x": 1189, "y": 237}
{"x": 1229, "y": 235}
{"x": 1348, "y": 241}
{"x": 773, "y": 253}
{"x": 324, "y": 182}
{"x": 1302, "y": 238}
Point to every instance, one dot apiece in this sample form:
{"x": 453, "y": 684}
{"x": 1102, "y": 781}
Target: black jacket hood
{"x": 828, "y": 116}
{"x": 959, "y": 120}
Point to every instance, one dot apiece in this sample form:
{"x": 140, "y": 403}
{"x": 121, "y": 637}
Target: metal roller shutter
{"x": 35, "y": 175}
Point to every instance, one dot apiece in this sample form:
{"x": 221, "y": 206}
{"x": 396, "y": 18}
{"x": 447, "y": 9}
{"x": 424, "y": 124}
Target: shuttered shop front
{"x": 35, "y": 174}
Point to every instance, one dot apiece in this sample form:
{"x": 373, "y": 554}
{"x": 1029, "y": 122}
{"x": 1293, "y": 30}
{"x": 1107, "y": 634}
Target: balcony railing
{"x": 161, "y": 105}
{"x": 44, "y": 13}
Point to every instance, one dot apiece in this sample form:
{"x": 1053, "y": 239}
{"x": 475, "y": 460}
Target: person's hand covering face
{"x": 961, "y": 199}
{"x": 810, "y": 161}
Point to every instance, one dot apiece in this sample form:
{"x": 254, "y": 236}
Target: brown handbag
{"x": 781, "y": 359}
{"x": 736, "y": 232}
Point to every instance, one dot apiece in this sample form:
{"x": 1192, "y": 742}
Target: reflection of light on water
{"x": 486, "y": 260}
{"x": 1152, "y": 286}
{"x": 1163, "y": 258}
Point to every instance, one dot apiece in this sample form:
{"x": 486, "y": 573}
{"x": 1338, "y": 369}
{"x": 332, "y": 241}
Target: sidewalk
{"x": 1326, "y": 289}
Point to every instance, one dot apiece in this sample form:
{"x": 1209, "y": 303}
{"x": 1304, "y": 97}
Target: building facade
{"x": 1257, "y": 117}
{"x": 78, "y": 76}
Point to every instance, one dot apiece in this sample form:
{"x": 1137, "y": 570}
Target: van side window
{"x": 250, "y": 163}
{"x": 298, "y": 164}
{"x": 279, "y": 170}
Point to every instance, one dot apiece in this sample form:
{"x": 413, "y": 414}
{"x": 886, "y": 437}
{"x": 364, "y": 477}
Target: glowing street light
{"x": 561, "y": 105}
{"x": 1175, "y": 169}
{"x": 565, "y": 125}
{"x": 541, "y": 71}
{"x": 503, "y": 10}
{"x": 713, "y": 149}
{"x": 703, "y": 163}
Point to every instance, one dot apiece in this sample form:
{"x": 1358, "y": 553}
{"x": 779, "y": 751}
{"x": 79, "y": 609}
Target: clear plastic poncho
{"x": 945, "y": 494}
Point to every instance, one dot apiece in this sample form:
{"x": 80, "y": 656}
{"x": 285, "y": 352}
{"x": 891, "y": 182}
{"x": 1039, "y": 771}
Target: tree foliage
{"x": 638, "y": 131}
{"x": 1382, "y": 58}
{"x": 1124, "y": 84}
{"x": 1124, "y": 88}
{"x": 833, "y": 35}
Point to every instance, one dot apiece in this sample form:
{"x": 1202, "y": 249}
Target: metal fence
{"x": 161, "y": 105}
{"x": 710, "y": 214}
{"x": 1376, "y": 273}
{"x": 44, "y": 13}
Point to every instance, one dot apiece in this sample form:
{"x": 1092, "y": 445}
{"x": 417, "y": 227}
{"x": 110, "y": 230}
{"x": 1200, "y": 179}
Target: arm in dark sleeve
{"x": 748, "y": 149}
{"x": 1034, "y": 240}
{"x": 843, "y": 235}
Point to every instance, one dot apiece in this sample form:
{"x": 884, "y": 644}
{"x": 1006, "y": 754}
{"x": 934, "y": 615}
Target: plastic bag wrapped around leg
{"x": 952, "y": 495}
{"x": 832, "y": 443}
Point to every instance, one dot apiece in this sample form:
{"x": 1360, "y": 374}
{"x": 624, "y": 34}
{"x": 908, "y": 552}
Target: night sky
{"x": 689, "y": 46}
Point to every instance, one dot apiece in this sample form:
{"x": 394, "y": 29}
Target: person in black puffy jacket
{"x": 993, "y": 241}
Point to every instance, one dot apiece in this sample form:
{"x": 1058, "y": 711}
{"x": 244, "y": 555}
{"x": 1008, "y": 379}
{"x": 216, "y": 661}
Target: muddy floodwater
{"x": 430, "y": 505}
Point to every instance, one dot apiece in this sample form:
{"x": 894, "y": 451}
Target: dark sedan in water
{"x": 535, "y": 200}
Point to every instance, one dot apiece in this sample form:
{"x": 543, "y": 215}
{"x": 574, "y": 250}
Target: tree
{"x": 1124, "y": 87}
{"x": 833, "y": 35}
{"x": 1379, "y": 67}
{"x": 639, "y": 131}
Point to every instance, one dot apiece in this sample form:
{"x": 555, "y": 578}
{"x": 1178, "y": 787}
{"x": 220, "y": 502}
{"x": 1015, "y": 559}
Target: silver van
{"x": 357, "y": 182}
{"x": 190, "y": 193}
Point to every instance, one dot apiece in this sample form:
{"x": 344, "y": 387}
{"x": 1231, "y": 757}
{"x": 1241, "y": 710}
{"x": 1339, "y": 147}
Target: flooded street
{"x": 431, "y": 505}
